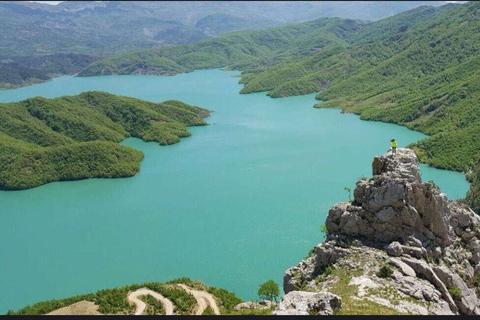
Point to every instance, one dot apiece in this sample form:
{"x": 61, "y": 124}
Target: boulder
{"x": 404, "y": 268}
{"x": 394, "y": 249}
{"x": 244, "y": 305}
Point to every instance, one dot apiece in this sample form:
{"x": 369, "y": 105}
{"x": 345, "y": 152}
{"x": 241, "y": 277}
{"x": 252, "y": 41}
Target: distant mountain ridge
{"x": 106, "y": 27}
{"x": 102, "y": 28}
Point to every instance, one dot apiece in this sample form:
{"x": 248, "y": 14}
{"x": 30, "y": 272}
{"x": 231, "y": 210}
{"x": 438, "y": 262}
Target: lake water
{"x": 234, "y": 205}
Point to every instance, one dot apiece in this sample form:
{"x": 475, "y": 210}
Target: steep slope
{"x": 13, "y": 75}
{"x": 234, "y": 49}
{"x": 20, "y": 71}
{"x": 400, "y": 247}
{"x": 75, "y": 137}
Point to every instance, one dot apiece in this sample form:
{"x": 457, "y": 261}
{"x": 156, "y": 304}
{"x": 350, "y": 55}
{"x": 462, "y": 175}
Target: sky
{"x": 48, "y": 2}
{"x": 57, "y": 2}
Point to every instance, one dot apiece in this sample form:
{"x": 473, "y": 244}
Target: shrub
{"x": 269, "y": 291}
{"x": 385, "y": 272}
{"x": 456, "y": 293}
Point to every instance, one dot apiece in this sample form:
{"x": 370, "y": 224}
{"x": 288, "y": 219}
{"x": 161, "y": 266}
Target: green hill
{"x": 419, "y": 69}
{"x": 235, "y": 49}
{"x": 76, "y": 137}
{"x": 114, "y": 301}
{"x": 20, "y": 71}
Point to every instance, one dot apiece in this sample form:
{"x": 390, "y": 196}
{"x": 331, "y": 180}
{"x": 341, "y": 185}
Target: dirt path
{"x": 133, "y": 297}
{"x": 204, "y": 299}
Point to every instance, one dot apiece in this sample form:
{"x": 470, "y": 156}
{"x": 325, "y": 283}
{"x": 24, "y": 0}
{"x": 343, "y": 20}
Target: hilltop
{"x": 76, "y": 137}
{"x": 177, "y": 297}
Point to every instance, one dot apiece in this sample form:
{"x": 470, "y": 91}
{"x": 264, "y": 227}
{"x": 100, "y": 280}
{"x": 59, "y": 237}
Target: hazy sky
{"x": 48, "y": 2}
{"x": 57, "y": 2}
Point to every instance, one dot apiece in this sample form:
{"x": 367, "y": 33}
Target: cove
{"x": 234, "y": 205}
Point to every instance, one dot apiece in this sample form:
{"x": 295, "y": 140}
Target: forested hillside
{"x": 19, "y": 71}
{"x": 13, "y": 75}
{"x": 76, "y": 137}
{"x": 419, "y": 69}
{"x": 237, "y": 49}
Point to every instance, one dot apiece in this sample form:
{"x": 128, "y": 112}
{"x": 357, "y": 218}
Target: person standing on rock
{"x": 394, "y": 144}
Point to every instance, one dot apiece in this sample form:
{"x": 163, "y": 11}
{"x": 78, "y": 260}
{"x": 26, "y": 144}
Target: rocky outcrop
{"x": 308, "y": 303}
{"x": 406, "y": 247}
{"x": 265, "y": 304}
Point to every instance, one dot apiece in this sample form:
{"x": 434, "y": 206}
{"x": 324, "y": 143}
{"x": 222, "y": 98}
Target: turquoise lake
{"x": 234, "y": 205}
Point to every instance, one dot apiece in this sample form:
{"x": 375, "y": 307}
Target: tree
{"x": 269, "y": 291}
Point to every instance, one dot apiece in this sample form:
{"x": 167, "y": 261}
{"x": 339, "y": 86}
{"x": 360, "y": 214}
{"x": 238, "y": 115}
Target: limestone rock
{"x": 244, "y": 305}
{"x": 404, "y": 268}
{"x": 308, "y": 303}
{"x": 394, "y": 249}
{"x": 265, "y": 304}
{"x": 431, "y": 246}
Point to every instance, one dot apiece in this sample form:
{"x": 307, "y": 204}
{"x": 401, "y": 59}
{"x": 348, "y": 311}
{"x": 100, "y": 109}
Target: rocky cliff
{"x": 400, "y": 247}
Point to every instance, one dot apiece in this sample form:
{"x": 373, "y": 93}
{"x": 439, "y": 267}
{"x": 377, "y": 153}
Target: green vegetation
{"x": 184, "y": 302}
{"x": 76, "y": 137}
{"x": 419, "y": 69}
{"x": 13, "y": 75}
{"x": 348, "y": 293}
{"x": 245, "y": 49}
{"x": 456, "y": 293}
{"x": 385, "y": 272}
{"x": 114, "y": 301}
{"x": 252, "y": 312}
{"x": 154, "y": 307}
{"x": 329, "y": 270}
{"x": 323, "y": 228}
{"x": 269, "y": 291}
{"x": 226, "y": 299}
{"x": 20, "y": 71}
{"x": 208, "y": 311}
{"x": 187, "y": 281}
{"x": 349, "y": 192}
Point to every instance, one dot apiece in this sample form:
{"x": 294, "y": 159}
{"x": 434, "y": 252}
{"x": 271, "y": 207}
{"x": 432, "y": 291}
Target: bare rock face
{"x": 422, "y": 250}
{"x": 265, "y": 304}
{"x": 394, "y": 205}
{"x": 308, "y": 303}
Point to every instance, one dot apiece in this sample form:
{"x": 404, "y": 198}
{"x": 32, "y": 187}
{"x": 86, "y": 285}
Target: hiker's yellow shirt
{"x": 394, "y": 144}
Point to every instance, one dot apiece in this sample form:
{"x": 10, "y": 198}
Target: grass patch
{"x": 154, "y": 307}
{"x": 350, "y": 305}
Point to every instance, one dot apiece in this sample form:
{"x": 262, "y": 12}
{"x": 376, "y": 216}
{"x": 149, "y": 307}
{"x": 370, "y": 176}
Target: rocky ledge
{"x": 400, "y": 247}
